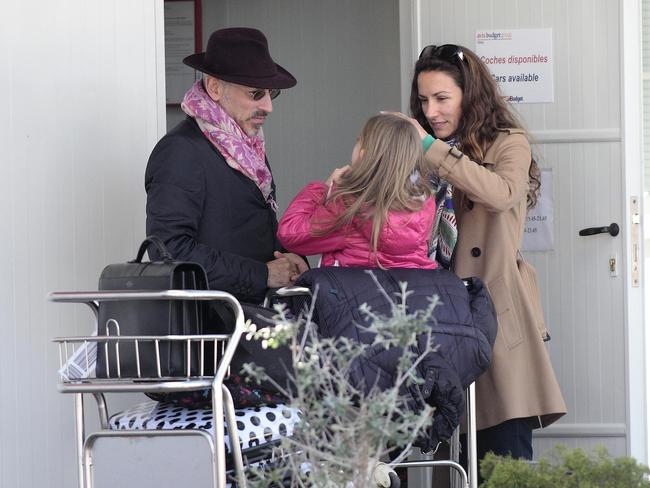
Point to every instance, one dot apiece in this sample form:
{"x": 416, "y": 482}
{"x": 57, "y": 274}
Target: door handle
{"x": 611, "y": 229}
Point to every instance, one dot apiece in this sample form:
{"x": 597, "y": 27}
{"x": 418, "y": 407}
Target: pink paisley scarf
{"x": 241, "y": 152}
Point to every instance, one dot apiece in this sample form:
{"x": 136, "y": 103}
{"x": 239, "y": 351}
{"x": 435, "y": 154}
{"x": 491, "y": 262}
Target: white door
{"x": 591, "y": 309}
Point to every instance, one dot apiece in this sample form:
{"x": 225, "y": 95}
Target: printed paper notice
{"x": 538, "y": 232}
{"x": 521, "y": 61}
{"x": 179, "y": 42}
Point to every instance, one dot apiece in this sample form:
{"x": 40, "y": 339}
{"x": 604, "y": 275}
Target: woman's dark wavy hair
{"x": 484, "y": 110}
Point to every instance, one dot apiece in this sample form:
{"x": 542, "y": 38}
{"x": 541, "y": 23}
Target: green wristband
{"x": 427, "y": 141}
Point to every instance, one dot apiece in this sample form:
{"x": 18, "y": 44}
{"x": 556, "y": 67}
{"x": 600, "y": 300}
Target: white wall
{"x": 82, "y": 108}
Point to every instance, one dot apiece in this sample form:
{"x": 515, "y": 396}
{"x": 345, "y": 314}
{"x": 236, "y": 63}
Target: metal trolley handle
{"x": 221, "y": 399}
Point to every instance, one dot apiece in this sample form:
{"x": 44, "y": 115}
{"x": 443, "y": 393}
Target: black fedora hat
{"x": 241, "y": 55}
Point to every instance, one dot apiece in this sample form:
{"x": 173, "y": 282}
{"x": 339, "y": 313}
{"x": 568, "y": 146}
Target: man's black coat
{"x": 207, "y": 212}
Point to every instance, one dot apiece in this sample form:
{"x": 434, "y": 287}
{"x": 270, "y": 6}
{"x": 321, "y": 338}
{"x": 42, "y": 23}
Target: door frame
{"x": 161, "y": 77}
{"x": 631, "y": 70}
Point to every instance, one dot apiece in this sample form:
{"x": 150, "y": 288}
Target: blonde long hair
{"x": 390, "y": 175}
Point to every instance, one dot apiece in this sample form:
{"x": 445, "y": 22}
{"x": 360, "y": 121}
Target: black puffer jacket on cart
{"x": 464, "y": 330}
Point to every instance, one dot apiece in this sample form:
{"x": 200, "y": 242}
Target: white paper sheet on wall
{"x": 179, "y": 42}
{"x": 538, "y": 233}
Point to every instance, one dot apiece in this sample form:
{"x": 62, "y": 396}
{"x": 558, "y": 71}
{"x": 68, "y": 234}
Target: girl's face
{"x": 440, "y": 98}
{"x": 356, "y": 152}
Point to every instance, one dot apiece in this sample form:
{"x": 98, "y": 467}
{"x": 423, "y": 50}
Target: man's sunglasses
{"x": 447, "y": 52}
{"x": 257, "y": 95}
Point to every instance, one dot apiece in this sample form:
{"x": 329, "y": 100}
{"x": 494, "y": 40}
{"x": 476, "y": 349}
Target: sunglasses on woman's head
{"x": 257, "y": 95}
{"x": 447, "y": 52}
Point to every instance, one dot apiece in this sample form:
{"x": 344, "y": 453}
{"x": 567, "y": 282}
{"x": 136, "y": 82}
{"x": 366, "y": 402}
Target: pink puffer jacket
{"x": 402, "y": 242}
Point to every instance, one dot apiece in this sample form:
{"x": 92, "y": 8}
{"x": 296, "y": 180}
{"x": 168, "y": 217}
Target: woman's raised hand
{"x": 423, "y": 133}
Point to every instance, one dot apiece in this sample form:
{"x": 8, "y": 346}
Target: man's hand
{"x": 285, "y": 269}
{"x": 300, "y": 263}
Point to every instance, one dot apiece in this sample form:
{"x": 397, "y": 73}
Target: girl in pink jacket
{"x": 375, "y": 212}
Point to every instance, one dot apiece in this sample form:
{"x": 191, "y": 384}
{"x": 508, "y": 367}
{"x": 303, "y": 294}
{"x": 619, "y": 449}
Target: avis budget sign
{"x": 521, "y": 62}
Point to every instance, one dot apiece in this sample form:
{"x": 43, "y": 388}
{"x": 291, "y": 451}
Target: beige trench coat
{"x": 520, "y": 382}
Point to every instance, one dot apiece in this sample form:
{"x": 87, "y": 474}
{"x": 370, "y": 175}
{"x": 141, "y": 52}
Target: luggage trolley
{"x": 116, "y": 455}
{"x": 204, "y": 452}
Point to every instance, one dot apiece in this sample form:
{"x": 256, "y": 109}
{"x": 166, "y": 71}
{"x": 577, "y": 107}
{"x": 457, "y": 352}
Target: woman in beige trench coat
{"x": 473, "y": 140}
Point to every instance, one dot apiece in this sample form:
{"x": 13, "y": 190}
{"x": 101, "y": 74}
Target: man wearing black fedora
{"x": 210, "y": 191}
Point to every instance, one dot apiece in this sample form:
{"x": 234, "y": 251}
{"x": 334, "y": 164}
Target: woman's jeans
{"x": 511, "y": 438}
